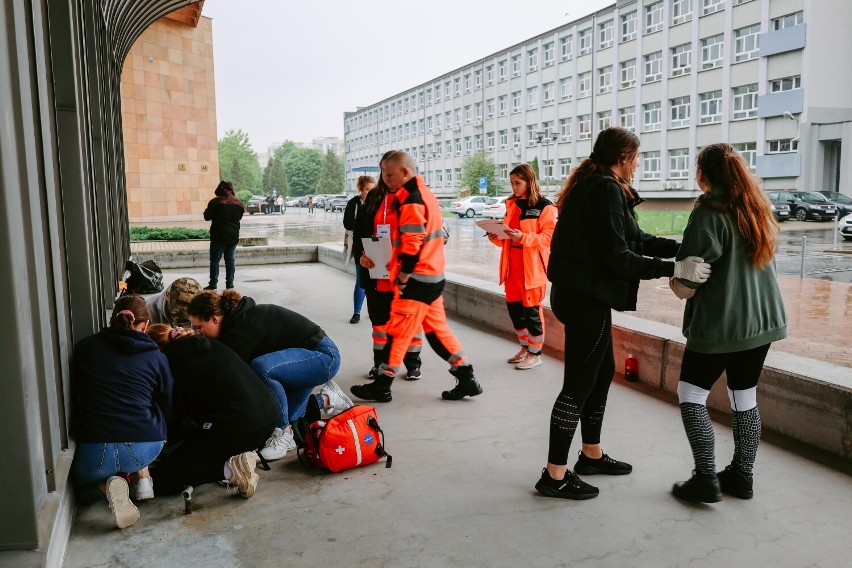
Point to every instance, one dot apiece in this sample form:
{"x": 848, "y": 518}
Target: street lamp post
{"x": 789, "y": 115}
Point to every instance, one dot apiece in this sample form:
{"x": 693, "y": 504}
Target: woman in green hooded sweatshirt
{"x": 730, "y": 320}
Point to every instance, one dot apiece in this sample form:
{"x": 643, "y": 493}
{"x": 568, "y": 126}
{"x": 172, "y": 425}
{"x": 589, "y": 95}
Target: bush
{"x": 662, "y": 222}
{"x": 244, "y": 195}
{"x": 167, "y": 234}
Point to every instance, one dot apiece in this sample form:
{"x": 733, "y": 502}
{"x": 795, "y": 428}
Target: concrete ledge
{"x": 245, "y": 256}
{"x": 802, "y": 399}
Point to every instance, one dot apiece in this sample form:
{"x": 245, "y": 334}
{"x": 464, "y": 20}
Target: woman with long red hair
{"x": 729, "y": 321}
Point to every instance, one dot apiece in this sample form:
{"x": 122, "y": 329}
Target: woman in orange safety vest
{"x": 531, "y": 219}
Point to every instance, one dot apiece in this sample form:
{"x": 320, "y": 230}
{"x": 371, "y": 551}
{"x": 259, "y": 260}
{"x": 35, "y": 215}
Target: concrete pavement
{"x": 460, "y": 492}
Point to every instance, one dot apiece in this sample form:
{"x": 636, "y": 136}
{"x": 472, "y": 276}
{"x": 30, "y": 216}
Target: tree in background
{"x": 477, "y": 166}
{"x": 238, "y": 162}
{"x": 331, "y": 177}
{"x": 534, "y": 166}
{"x": 301, "y": 170}
{"x": 277, "y": 179}
{"x": 244, "y": 196}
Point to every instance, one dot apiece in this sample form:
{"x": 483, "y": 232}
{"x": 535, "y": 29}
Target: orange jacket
{"x": 419, "y": 238}
{"x": 537, "y": 222}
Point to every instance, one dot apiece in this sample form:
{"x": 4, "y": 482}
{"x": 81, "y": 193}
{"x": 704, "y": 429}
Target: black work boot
{"x": 212, "y": 285}
{"x": 377, "y": 391}
{"x": 736, "y": 483}
{"x": 466, "y": 385}
{"x": 700, "y": 488}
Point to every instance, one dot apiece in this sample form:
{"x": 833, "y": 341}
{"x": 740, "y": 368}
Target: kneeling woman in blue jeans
{"x": 288, "y": 351}
{"x": 122, "y": 395}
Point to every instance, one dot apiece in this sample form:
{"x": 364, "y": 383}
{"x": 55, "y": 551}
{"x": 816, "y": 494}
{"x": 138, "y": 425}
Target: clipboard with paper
{"x": 494, "y": 226}
{"x": 378, "y": 249}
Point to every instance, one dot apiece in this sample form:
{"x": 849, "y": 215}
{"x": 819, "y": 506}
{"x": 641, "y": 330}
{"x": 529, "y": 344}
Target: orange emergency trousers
{"x": 380, "y": 298}
{"x": 523, "y": 268}
{"x": 419, "y": 213}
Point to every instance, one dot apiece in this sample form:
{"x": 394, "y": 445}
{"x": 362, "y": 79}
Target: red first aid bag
{"x": 350, "y": 439}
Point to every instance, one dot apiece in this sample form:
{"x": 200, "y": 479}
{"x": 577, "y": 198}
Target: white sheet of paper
{"x": 379, "y": 252}
{"x": 495, "y": 226}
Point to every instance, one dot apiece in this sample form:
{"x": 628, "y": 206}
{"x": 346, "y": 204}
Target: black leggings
{"x": 589, "y": 368}
{"x": 200, "y": 457}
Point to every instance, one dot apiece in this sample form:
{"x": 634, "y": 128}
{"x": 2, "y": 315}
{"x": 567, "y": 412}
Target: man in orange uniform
{"x": 417, "y": 269}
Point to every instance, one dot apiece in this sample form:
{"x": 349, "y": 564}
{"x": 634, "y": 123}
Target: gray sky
{"x": 288, "y": 70}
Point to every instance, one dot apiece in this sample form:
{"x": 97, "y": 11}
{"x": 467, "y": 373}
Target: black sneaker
{"x": 700, "y": 488}
{"x": 571, "y": 487}
{"x": 414, "y": 375}
{"x": 377, "y": 391}
{"x": 604, "y": 465}
{"x": 734, "y": 482}
{"x": 211, "y": 286}
{"x": 466, "y": 385}
{"x": 355, "y": 318}
{"x": 229, "y": 286}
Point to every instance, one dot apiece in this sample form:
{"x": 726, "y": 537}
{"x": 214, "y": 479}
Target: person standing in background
{"x": 224, "y": 213}
{"x": 353, "y": 207}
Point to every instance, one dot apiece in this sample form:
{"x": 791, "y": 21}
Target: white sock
{"x": 228, "y": 473}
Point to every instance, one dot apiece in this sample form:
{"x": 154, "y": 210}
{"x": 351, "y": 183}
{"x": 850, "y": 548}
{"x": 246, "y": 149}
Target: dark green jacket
{"x": 740, "y": 306}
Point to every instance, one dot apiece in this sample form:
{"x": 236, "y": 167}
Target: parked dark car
{"x": 842, "y": 201}
{"x": 780, "y": 207}
{"x": 806, "y": 205}
{"x": 256, "y": 204}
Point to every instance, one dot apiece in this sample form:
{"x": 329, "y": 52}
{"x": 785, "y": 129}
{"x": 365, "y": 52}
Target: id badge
{"x": 383, "y": 231}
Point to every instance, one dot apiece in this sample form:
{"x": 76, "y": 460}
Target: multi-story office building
{"x": 764, "y": 75}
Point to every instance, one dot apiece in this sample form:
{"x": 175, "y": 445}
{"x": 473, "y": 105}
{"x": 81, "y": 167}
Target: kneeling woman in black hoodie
{"x": 221, "y": 414}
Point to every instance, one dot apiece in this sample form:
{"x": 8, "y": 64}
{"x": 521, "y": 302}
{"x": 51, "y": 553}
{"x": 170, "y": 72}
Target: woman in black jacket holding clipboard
{"x": 598, "y": 256}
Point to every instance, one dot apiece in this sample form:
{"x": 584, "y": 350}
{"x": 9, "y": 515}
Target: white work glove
{"x": 692, "y": 268}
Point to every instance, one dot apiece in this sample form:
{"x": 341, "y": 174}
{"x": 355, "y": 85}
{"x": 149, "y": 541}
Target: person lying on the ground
{"x": 169, "y": 306}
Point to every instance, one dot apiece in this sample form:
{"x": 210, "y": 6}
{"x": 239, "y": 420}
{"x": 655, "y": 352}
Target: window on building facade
{"x": 585, "y": 38}
{"x": 653, "y": 17}
{"x": 627, "y": 118}
{"x": 448, "y": 176}
{"x": 604, "y": 119}
{"x": 458, "y": 118}
{"x": 448, "y": 148}
{"x": 605, "y": 79}
{"x": 629, "y": 22}
{"x": 679, "y": 111}
{"x": 606, "y": 34}
{"x": 428, "y": 97}
{"x": 785, "y": 84}
{"x": 548, "y": 169}
{"x": 653, "y": 66}
{"x": 748, "y": 150}
{"x": 565, "y": 129}
{"x": 564, "y": 167}
{"x": 477, "y": 142}
{"x": 457, "y": 87}
{"x": 628, "y": 73}
{"x": 532, "y": 60}
{"x": 651, "y": 165}
{"x": 420, "y": 100}
{"x": 516, "y": 65}
{"x": 504, "y": 139}
{"x": 712, "y": 6}
{"x": 548, "y": 54}
{"x": 503, "y": 104}
{"x": 711, "y": 107}
{"x": 437, "y": 90}
{"x": 439, "y": 177}
{"x": 531, "y": 134}
{"x": 477, "y": 111}
{"x": 566, "y": 47}
{"x": 681, "y": 59}
{"x": 652, "y": 117}
{"x": 458, "y": 146}
{"x": 503, "y": 171}
{"x": 584, "y": 80}
{"x": 516, "y": 101}
{"x": 679, "y": 163}
{"x": 504, "y": 70}
{"x": 744, "y": 102}
{"x": 548, "y": 93}
{"x": 584, "y": 127}
{"x": 532, "y": 97}
{"x": 712, "y": 51}
{"x": 421, "y": 126}
{"x": 489, "y": 108}
{"x": 489, "y": 141}
{"x": 681, "y": 11}
{"x": 516, "y": 137}
{"x": 566, "y": 91}
{"x": 782, "y": 146}
{"x": 489, "y": 75}
{"x": 405, "y": 107}
{"x": 788, "y": 21}
{"x": 746, "y": 43}
{"x": 448, "y": 119}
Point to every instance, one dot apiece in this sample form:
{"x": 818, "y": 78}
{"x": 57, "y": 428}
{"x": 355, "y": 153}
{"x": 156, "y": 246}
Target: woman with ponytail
{"x": 598, "y": 255}
{"x": 221, "y": 414}
{"x": 288, "y": 351}
{"x": 730, "y": 321}
{"x": 122, "y": 397}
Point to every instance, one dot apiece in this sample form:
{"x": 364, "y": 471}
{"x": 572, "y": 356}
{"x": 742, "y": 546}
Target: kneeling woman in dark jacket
{"x": 598, "y": 255}
{"x": 221, "y": 414}
{"x": 288, "y": 351}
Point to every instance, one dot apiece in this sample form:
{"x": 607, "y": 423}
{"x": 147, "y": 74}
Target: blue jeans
{"x": 292, "y": 374}
{"x": 95, "y": 462}
{"x": 359, "y": 294}
{"x": 216, "y": 252}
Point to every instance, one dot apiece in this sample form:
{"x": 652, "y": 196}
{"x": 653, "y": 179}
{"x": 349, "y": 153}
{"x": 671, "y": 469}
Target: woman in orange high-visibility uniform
{"x": 531, "y": 219}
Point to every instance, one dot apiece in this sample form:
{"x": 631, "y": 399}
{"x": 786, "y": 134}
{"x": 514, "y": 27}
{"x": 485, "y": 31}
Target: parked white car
{"x": 845, "y": 226}
{"x": 470, "y": 206}
{"x": 496, "y": 210}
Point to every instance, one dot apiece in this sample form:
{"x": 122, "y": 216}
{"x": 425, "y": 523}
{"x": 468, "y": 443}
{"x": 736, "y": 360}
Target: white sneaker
{"x": 276, "y": 446}
{"x": 518, "y": 357}
{"x": 143, "y": 489}
{"x": 337, "y": 399}
{"x": 124, "y": 512}
{"x": 243, "y": 476}
{"x": 530, "y": 361}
